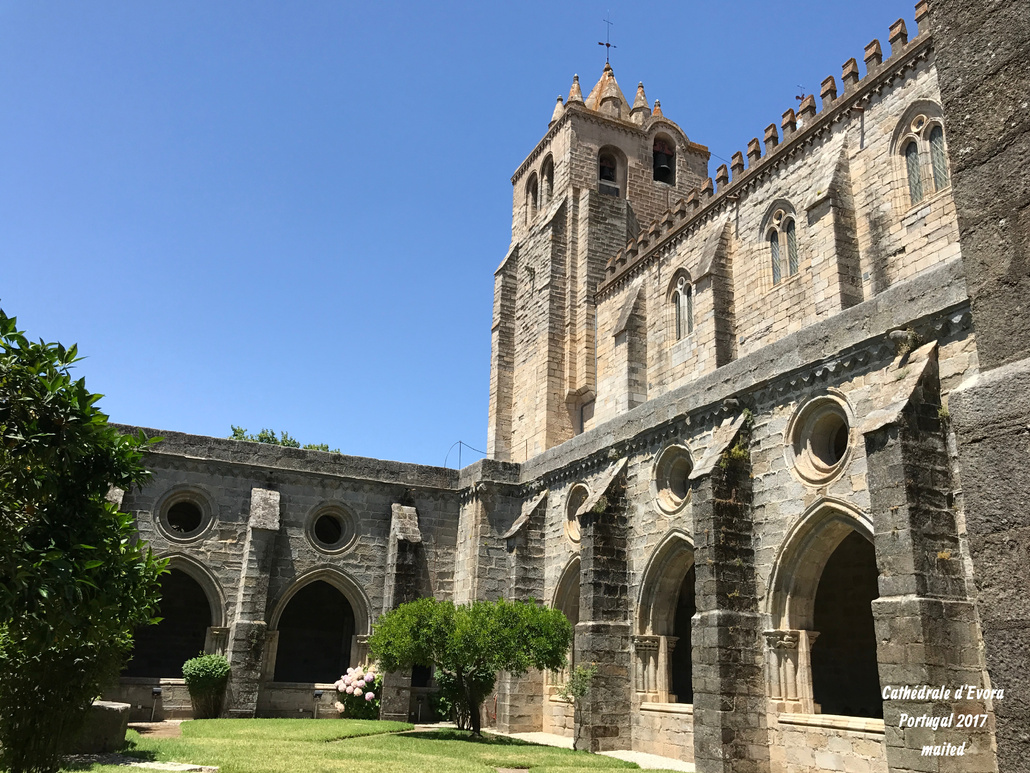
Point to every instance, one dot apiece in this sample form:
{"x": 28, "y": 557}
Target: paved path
{"x": 169, "y": 728}
{"x": 645, "y": 761}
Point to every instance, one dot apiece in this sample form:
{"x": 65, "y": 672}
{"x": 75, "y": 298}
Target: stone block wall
{"x": 249, "y": 578}
{"x": 841, "y": 176}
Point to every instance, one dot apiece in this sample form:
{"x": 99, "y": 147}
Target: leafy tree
{"x": 74, "y": 581}
{"x": 268, "y": 437}
{"x": 472, "y": 643}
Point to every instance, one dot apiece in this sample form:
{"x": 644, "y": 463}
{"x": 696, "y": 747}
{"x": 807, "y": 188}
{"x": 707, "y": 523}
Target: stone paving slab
{"x": 131, "y": 762}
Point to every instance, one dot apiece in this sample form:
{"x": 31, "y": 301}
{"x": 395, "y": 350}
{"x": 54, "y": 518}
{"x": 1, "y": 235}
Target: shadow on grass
{"x": 465, "y": 735}
{"x": 120, "y": 757}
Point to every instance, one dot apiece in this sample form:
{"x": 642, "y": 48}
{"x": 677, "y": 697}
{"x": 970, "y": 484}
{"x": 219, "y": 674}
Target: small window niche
{"x": 532, "y": 197}
{"x": 546, "y": 182}
{"x": 609, "y": 173}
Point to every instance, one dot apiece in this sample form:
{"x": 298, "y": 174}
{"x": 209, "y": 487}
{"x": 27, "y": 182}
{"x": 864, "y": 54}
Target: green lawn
{"x": 336, "y": 745}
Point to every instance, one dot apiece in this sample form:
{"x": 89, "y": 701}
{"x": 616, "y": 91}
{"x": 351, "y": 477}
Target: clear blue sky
{"x": 288, "y": 214}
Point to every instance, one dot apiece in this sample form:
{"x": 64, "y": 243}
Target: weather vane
{"x": 608, "y": 46}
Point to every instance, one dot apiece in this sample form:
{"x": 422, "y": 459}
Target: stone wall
{"x": 840, "y": 176}
{"x": 985, "y": 79}
{"x": 250, "y": 578}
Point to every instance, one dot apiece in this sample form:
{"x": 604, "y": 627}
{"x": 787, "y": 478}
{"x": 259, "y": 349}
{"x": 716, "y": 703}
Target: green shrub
{"x": 206, "y": 677}
{"x": 74, "y": 579}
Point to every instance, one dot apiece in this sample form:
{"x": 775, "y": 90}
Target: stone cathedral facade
{"x": 719, "y": 441}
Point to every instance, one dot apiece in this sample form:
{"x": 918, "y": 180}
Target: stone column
{"x": 926, "y": 626}
{"x": 730, "y": 732}
{"x": 249, "y": 630}
{"x": 984, "y": 71}
{"x": 404, "y": 560}
{"x": 603, "y": 634}
{"x": 519, "y": 699}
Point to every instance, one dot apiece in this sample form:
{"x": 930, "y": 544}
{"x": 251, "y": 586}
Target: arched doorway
{"x": 681, "y": 669}
{"x": 664, "y": 669}
{"x": 566, "y": 599}
{"x": 160, "y": 650}
{"x": 315, "y": 631}
{"x": 844, "y": 674}
{"x": 821, "y": 651}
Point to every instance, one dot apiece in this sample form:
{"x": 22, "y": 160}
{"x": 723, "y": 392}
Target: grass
{"x": 337, "y": 745}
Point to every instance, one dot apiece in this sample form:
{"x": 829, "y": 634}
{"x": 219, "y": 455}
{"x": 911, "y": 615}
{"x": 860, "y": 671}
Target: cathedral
{"x": 720, "y": 441}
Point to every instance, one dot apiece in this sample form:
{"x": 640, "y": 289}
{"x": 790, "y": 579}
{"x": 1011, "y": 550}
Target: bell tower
{"x": 603, "y": 169}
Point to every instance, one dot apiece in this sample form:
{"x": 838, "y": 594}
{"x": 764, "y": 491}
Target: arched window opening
{"x": 608, "y": 173}
{"x": 681, "y": 670}
{"x": 547, "y": 186}
{"x": 774, "y": 253}
{"x": 792, "y": 248}
{"x": 937, "y": 158}
{"x": 915, "y": 182}
{"x": 160, "y": 650}
{"x": 919, "y": 147}
{"x": 664, "y": 160}
{"x": 845, "y": 679}
{"x": 782, "y": 237}
{"x": 683, "y": 306}
{"x": 315, "y": 632}
{"x": 532, "y": 198}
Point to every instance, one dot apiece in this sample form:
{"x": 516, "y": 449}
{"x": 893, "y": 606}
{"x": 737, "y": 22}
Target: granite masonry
{"x": 720, "y": 440}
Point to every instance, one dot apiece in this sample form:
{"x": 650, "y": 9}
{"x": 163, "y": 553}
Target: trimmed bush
{"x": 206, "y": 677}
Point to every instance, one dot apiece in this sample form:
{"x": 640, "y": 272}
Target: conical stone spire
{"x": 575, "y": 93}
{"x": 640, "y": 112}
{"x": 657, "y": 113}
{"x": 641, "y": 100}
{"x": 559, "y": 109}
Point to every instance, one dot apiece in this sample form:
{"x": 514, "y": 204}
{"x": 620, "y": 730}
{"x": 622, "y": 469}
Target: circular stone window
{"x": 670, "y": 485}
{"x": 183, "y": 516}
{"x": 820, "y": 439}
{"x": 331, "y": 530}
{"x": 577, "y": 497}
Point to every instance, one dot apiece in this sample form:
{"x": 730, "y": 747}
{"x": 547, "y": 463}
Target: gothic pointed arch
{"x": 821, "y": 646}
{"x": 191, "y": 609}
{"x": 315, "y": 627}
{"x": 566, "y": 599}
{"x": 342, "y": 582}
{"x": 206, "y": 580}
{"x": 566, "y": 595}
{"x": 660, "y": 583}
{"x": 806, "y": 548}
{"x": 665, "y": 609}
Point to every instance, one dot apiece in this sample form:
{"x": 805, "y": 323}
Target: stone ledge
{"x": 668, "y": 708}
{"x": 833, "y": 722}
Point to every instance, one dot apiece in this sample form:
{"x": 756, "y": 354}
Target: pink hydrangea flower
{"x": 370, "y": 676}
{"x": 350, "y": 690}
{"x": 357, "y": 692}
{"x": 339, "y": 706}
{"x": 369, "y": 696}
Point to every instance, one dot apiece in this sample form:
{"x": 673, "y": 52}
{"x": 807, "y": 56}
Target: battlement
{"x": 799, "y": 129}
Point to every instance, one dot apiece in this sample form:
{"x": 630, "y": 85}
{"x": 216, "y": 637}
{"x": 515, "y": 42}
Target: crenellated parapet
{"x": 800, "y": 130}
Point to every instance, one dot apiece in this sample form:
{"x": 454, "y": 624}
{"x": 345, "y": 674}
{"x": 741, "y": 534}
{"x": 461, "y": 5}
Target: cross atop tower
{"x": 608, "y": 45}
